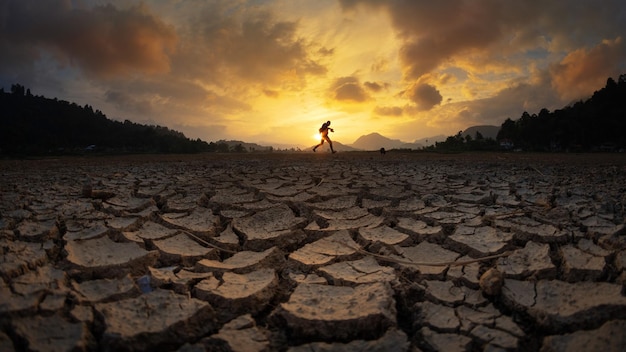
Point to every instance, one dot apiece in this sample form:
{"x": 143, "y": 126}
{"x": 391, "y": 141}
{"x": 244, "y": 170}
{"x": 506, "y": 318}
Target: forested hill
{"x": 35, "y": 125}
{"x": 596, "y": 124}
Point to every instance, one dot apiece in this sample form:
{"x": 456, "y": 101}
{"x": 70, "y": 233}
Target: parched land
{"x": 314, "y": 252}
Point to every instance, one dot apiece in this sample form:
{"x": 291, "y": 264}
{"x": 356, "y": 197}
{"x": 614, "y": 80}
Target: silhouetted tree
{"x": 585, "y": 125}
{"x": 31, "y": 125}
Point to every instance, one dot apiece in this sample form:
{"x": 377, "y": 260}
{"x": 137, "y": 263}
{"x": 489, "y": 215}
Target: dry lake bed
{"x": 314, "y": 252}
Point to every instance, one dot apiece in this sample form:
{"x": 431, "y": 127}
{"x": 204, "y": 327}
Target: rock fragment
{"x": 527, "y": 229}
{"x": 557, "y": 305}
{"x": 336, "y": 203}
{"x": 383, "y": 234}
{"x": 420, "y": 230}
{"x": 425, "y": 252}
{"x": 581, "y": 266}
{"x": 126, "y": 204}
{"x": 344, "y": 214}
{"x": 18, "y": 257}
{"x": 199, "y": 221}
{"x": 532, "y": 260}
{"x": 233, "y": 196}
{"x": 179, "y": 279}
{"x": 12, "y": 304}
{"x": 104, "y": 258}
{"x": 240, "y": 334}
{"x": 53, "y": 334}
{"x": 244, "y": 261}
{"x": 227, "y": 239}
{"x": 362, "y": 271}
{"x": 272, "y": 227}
{"x": 37, "y": 231}
{"x": 494, "y": 338}
{"x": 325, "y": 251}
{"x": 437, "y": 316}
{"x": 608, "y": 337}
{"x": 444, "y": 292}
{"x": 235, "y": 294}
{"x": 342, "y": 223}
{"x": 451, "y": 342}
{"x": 467, "y": 275}
{"x": 105, "y": 290}
{"x": 45, "y": 278}
{"x": 491, "y": 282}
{"x": 392, "y": 340}
{"x": 158, "y": 319}
{"x": 446, "y": 217}
{"x": 331, "y": 313}
{"x": 91, "y": 230}
{"x": 479, "y": 241}
{"x": 149, "y": 231}
{"x": 182, "y": 249}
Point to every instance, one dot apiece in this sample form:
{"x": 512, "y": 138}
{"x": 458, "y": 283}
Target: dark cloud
{"x": 128, "y": 102}
{"x": 225, "y": 103}
{"x": 221, "y": 43}
{"x": 348, "y": 89}
{"x": 389, "y": 111}
{"x": 510, "y": 102}
{"x": 583, "y": 69}
{"x": 435, "y": 32}
{"x": 425, "y": 96}
{"x": 326, "y": 52}
{"x": 103, "y": 41}
{"x": 374, "y": 86}
{"x": 271, "y": 93}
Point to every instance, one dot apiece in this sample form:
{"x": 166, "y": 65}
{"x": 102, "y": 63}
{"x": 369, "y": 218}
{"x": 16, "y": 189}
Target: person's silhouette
{"x": 324, "y": 133}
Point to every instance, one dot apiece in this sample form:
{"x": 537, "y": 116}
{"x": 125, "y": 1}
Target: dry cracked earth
{"x": 314, "y": 252}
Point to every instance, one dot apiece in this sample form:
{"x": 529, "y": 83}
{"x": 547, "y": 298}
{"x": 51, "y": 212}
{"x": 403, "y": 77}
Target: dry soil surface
{"x": 314, "y": 252}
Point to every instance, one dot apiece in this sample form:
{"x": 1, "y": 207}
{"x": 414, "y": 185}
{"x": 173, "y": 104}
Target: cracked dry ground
{"x": 302, "y": 252}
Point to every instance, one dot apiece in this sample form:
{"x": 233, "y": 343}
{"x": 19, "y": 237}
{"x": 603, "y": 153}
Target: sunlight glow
{"x": 317, "y": 137}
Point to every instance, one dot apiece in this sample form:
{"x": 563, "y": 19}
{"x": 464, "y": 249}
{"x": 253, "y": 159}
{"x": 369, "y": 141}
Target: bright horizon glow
{"x": 271, "y": 72}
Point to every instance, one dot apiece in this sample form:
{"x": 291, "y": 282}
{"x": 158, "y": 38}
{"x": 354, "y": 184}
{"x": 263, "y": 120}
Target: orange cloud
{"x": 223, "y": 44}
{"x": 424, "y": 95}
{"x": 388, "y": 110}
{"x": 374, "y": 86}
{"x": 584, "y": 70}
{"x": 348, "y": 89}
{"x": 103, "y": 41}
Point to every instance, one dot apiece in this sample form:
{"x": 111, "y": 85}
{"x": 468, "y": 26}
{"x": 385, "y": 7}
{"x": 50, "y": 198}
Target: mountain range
{"x": 375, "y": 141}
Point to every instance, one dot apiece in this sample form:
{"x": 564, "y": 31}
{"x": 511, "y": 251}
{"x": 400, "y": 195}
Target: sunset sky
{"x": 272, "y": 71}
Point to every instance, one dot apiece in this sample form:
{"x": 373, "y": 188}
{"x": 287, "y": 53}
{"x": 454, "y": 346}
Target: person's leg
{"x": 331, "y": 144}
{"x": 319, "y": 145}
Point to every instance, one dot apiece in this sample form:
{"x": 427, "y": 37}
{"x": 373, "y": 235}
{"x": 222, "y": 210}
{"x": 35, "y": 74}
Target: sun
{"x": 317, "y": 136}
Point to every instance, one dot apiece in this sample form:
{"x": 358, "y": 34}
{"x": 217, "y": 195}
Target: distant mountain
{"x": 375, "y": 141}
{"x": 485, "y": 130}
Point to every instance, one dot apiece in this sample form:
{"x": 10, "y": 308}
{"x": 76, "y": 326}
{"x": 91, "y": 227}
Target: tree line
{"x": 35, "y": 125}
{"x": 596, "y": 124}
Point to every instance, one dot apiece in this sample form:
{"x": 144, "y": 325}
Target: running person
{"x": 324, "y": 133}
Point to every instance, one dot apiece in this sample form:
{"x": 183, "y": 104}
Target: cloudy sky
{"x": 272, "y": 71}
